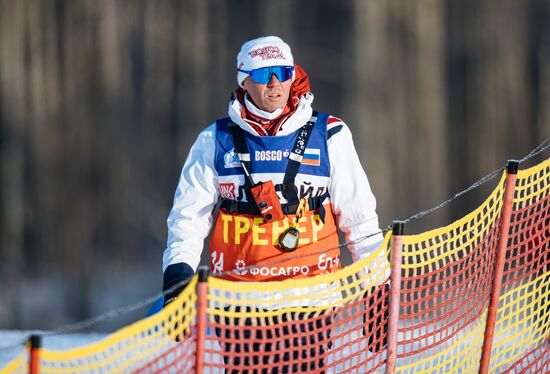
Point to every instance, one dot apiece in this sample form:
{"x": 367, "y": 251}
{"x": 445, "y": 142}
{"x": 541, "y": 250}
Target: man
{"x": 285, "y": 178}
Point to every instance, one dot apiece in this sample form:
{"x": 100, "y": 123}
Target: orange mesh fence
{"x": 334, "y": 322}
{"x": 522, "y": 332}
{"x": 445, "y": 285}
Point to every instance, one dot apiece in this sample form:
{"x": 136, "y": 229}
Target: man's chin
{"x": 273, "y": 106}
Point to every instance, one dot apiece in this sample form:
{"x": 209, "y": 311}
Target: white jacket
{"x": 353, "y": 202}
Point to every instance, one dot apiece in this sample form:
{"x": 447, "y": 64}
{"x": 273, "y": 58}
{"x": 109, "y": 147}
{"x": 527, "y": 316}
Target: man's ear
{"x": 242, "y": 84}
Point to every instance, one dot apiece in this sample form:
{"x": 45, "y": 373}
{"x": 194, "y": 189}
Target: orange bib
{"x": 240, "y": 241}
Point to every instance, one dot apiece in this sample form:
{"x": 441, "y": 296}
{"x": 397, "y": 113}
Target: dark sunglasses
{"x": 263, "y": 75}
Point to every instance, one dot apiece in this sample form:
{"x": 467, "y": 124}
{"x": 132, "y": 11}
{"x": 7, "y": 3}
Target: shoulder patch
{"x": 334, "y": 130}
{"x": 332, "y": 119}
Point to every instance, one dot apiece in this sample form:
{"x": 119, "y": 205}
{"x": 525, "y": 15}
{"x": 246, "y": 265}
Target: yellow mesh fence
{"x": 523, "y": 324}
{"x": 146, "y": 346}
{"x": 446, "y": 280}
{"x": 17, "y": 365}
{"x": 337, "y": 322}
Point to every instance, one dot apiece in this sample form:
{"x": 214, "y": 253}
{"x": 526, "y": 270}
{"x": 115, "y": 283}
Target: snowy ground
{"x": 16, "y": 339}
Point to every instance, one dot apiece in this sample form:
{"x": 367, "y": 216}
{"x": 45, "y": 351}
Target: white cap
{"x": 263, "y": 52}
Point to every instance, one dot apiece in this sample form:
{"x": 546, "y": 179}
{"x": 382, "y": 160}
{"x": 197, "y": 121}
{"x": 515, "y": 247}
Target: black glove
{"x": 176, "y": 278}
{"x": 375, "y": 317}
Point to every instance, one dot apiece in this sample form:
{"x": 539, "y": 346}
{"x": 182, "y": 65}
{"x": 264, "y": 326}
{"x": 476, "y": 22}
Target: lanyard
{"x": 289, "y": 239}
{"x": 289, "y": 189}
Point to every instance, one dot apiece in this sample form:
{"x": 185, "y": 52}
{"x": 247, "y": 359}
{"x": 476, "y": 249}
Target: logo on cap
{"x": 268, "y": 53}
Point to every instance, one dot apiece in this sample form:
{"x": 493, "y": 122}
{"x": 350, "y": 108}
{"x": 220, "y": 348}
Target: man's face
{"x": 270, "y": 96}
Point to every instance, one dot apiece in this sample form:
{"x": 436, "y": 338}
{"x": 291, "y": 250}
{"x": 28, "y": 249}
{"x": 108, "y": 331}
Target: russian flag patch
{"x": 312, "y": 156}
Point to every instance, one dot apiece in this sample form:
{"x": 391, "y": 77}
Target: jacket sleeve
{"x": 353, "y": 202}
{"x": 196, "y": 195}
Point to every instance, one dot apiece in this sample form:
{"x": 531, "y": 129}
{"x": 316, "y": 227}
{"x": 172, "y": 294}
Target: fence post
{"x": 511, "y": 175}
{"x": 202, "y": 302}
{"x": 35, "y": 343}
{"x": 395, "y": 291}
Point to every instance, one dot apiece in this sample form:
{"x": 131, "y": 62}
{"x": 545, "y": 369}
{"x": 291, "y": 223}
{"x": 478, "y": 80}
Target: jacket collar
{"x": 296, "y": 120}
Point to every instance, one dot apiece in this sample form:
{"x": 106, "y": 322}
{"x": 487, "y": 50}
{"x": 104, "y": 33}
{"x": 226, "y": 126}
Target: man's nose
{"x": 273, "y": 81}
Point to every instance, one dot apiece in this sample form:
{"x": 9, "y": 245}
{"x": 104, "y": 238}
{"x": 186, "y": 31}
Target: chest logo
{"x": 217, "y": 263}
{"x": 231, "y": 160}
{"x": 276, "y": 155}
{"x": 312, "y": 156}
{"x": 227, "y": 191}
{"x": 240, "y": 267}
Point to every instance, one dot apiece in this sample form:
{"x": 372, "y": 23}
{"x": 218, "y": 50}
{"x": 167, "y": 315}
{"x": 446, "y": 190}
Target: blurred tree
{"x": 101, "y": 100}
